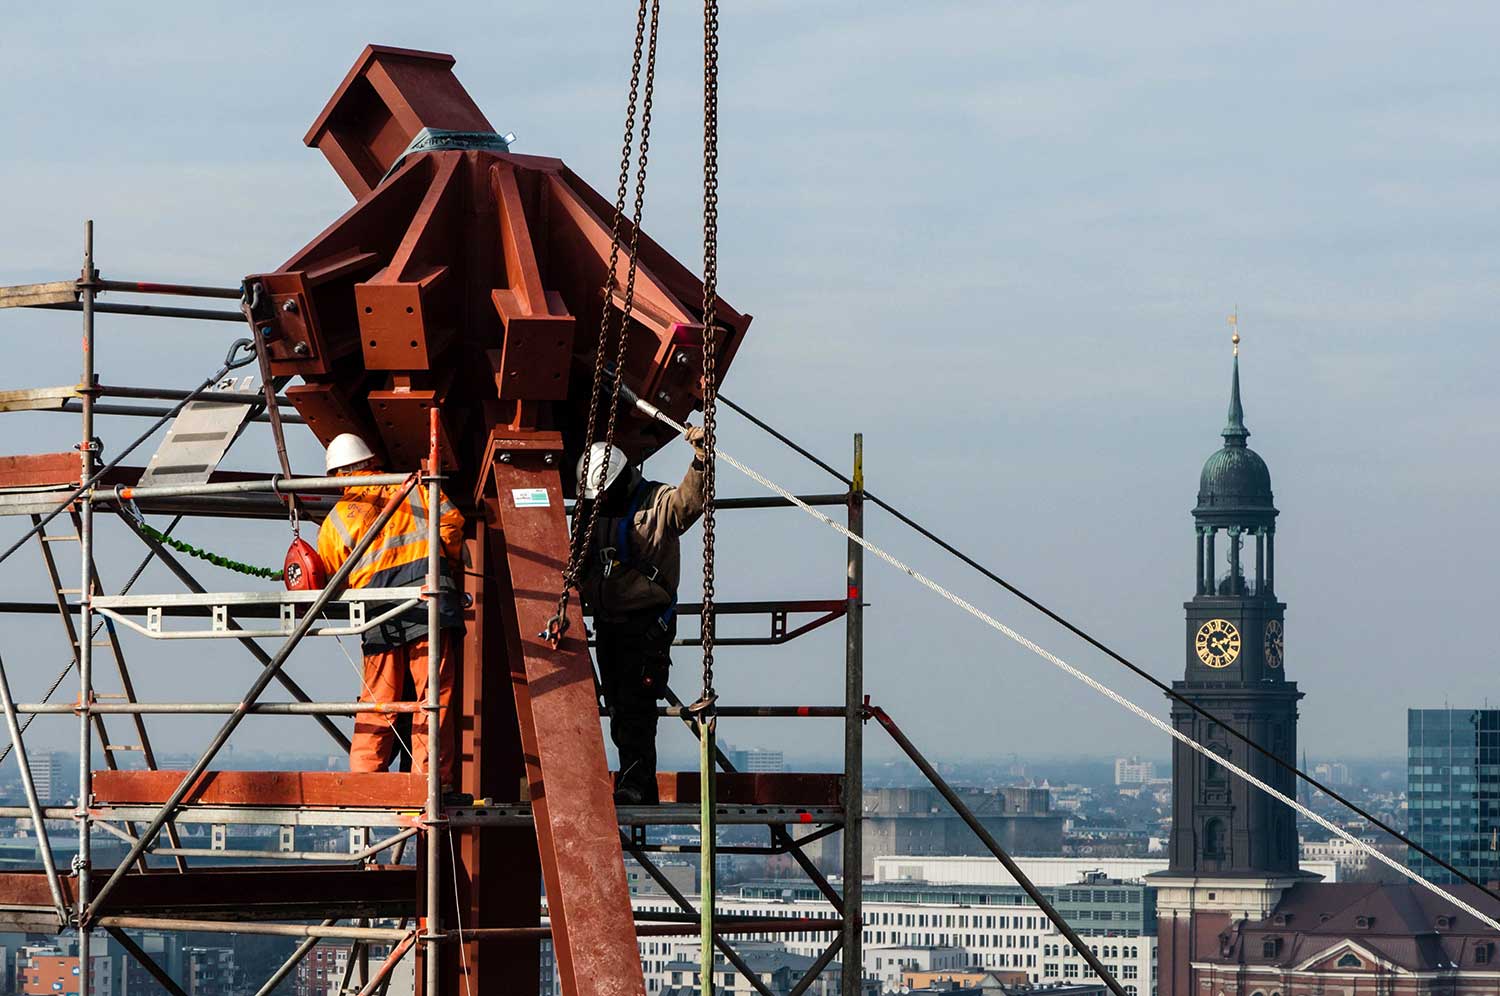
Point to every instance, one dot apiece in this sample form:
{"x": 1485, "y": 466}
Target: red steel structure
{"x": 469, "y": 280}
{"x": 452, "y": 318}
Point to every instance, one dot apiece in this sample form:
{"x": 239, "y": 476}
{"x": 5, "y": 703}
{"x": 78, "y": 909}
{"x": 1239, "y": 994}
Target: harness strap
{"x": 628, "y": 558}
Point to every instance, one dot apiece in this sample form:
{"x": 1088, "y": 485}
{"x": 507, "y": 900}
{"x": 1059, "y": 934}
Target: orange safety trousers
{"x": 374, "y": 744}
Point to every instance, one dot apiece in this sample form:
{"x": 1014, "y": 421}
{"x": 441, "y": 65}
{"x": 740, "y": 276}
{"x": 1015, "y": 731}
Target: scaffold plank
{"x": 568, "y": 776}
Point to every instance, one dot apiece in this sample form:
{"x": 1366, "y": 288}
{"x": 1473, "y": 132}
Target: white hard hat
{"x": 346, "y": 449}
{"x": 599, "y": 480}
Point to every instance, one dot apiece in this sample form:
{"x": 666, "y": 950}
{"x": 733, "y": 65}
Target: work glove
{"x": 694, "y": 436}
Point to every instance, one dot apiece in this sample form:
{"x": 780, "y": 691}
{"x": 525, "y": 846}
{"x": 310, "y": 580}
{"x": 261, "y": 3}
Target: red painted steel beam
{"x": 739, "y": 787}
{"x": 500, "y": 872}
{"x": 386, "y": 789}
{"x": 468, "y": 280}
{"x": 571, "y": 789}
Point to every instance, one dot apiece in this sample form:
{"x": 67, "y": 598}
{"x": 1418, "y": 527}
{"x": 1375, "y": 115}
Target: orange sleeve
{"x": 451, "y": 529}
{"x": 331, "y": 546}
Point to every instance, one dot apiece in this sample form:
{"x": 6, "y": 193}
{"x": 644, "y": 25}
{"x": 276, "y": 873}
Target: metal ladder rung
{"x": 110, "y": 695}
{"x": 123, "y": 747}
{"x": 70, "y": 591}
{"x": 60, "y": 538}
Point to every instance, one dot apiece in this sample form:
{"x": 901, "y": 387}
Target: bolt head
{"x": 682, "y": 359}
{"x": 300, "y": 349}
{"x": 549, "y": 459}
{"x": 289, "y": 305}
{"x": 505, "y": 458}
{"x": 663, "y": 397}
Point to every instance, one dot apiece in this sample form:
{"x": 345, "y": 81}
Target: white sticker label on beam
{"x": 530, "y": 497}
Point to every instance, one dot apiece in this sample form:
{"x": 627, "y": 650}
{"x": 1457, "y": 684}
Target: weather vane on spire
{"x": 1234, "y": 324}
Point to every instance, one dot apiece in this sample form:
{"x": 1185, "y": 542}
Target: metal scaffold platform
{"x": 452, "y": 317}
{"x": 374, "y": 880}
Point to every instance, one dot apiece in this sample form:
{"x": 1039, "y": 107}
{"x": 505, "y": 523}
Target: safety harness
{"x": 622, "y": 555}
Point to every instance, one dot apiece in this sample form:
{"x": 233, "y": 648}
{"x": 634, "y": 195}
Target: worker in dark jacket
{"x": 629, "y": 585}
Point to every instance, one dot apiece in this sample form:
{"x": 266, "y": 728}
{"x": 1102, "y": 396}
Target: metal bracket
{"x": 359, "y": 839}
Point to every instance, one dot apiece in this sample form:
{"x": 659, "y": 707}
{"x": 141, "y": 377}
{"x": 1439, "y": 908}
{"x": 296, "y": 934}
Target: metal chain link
{"x": 584, "y": 525}
{"x": 705, "y": 701}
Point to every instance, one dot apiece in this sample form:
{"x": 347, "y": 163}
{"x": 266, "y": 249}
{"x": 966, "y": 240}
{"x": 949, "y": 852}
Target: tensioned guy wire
{"x": 1087, "y": 679}
{"x": 1110, "y": 652}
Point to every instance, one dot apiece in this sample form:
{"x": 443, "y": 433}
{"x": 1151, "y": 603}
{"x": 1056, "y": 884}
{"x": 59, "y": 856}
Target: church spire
{"x": 1235, "y": 432}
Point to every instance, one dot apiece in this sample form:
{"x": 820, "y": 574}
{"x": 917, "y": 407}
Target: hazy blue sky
{"x": 999, "y": 239}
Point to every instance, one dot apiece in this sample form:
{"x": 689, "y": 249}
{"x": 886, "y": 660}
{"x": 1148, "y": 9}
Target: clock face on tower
{"x": 1218, "y": 643}
{"x": 1274, "y": 648}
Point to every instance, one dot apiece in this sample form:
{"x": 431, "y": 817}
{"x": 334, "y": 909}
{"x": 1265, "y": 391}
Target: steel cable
{"x": 1088, "y": 680}
{"x": 1134, "y": 668}
{"x": 230, "y": 363}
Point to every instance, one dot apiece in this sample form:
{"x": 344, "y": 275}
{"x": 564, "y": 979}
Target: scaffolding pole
{"x": 191, "y": 583}
{"x": 993, "y": 846}
{"x": 335, "y": 585}
{"x": 219, "y": 708}
{"x": 85, "y": 614}
{"x": 146, "y": 961}
{"x": 289, "y": 966}
{"x": 33, "y": 803}
{"x": 854, "y": 717}
{"x": 435, "y": 820}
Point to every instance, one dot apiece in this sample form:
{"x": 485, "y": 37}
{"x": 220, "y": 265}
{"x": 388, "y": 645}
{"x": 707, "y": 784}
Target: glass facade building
{"x": 1453, "y": 791}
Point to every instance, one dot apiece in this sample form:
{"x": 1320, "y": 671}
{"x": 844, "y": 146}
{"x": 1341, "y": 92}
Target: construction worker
{"x": 629, "y": 585}
{"x": 396, "y": 649}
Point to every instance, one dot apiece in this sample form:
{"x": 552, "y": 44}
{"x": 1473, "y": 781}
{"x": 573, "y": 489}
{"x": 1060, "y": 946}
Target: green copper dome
{"x": 1235, "y": 479}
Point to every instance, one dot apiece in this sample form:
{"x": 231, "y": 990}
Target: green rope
{"x": 213, "y": 558}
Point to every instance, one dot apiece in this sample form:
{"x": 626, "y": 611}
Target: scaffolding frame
{"x": 78, "y": 897}
{"x": 75, "y": 901}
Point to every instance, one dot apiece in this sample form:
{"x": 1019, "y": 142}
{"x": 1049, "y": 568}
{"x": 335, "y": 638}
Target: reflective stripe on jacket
{"x": 397, "y": 558}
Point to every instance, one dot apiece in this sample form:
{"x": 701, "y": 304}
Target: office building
{"x": 1453, "y": 791}
{"x": 995, "y": 927}
{"x": 918, "y": 821}
{"x": 757, "y": 760}
{"x": 1130, "y": 771}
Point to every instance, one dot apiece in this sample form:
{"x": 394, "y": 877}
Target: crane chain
{"x": 705, "y": 703}
{"x": 584, "y": 523}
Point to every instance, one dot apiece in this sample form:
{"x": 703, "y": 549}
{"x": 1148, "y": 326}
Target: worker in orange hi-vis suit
{"x": 398, "y": 647}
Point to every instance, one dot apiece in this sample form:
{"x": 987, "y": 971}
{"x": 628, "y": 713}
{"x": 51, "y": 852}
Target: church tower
{"x": 1233, "y": 849}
